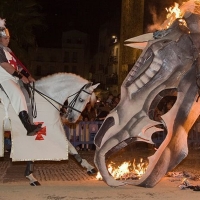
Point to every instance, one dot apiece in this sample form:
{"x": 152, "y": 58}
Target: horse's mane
{"x": 60, "y": 76}
{"x": 59, "y": 84}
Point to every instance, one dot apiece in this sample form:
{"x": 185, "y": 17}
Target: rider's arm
{"x": 9, "y": 68}
{"x": 4, "y": 62}
{"x": 27, "y": 75}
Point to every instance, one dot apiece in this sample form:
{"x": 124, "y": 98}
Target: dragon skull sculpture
{"x": 169, "y": 62}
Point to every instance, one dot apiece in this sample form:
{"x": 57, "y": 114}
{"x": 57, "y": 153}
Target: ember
{"x": 126, "y": 170}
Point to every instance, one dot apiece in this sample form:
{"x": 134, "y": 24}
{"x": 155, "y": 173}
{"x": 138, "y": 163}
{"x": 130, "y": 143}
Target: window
{"x": 74, "y": 69}
{"x": 66, "y": 57}
{"x": 74, "y": 57}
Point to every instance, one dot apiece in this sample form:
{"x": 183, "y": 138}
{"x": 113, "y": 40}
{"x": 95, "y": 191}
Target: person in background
{"x": 89, "y": 111}
{"x": 115, "y": 101}
{"x": 103, "y": 111}
{"x": 11, "y": 71}
{"x": 93, "y": 129}
{"x": 109, "y": 100}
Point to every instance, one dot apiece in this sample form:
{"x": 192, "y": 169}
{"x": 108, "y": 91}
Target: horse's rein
{"x": 70, "y": 106}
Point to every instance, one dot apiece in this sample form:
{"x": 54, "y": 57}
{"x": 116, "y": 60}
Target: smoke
{"x": 157, "y": 20}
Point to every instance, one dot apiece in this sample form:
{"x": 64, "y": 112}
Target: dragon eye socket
{"x": 80, "y": 99}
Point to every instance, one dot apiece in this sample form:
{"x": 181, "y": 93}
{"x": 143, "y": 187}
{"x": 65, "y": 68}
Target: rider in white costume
{"x": 11, "y": 70}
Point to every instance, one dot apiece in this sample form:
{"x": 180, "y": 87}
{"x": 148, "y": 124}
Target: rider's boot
{"x": 32, "y": 129}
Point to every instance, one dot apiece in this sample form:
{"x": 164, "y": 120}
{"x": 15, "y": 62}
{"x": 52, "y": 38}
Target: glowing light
{"x": 177, "y": 11}
{"x": 174, "y": 12}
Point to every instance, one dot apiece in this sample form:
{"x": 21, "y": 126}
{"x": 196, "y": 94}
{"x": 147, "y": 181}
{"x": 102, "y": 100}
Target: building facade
{"x": 114, "y": 60}
{"x": 72, "y": 56}
{"x": 132, "y": 24}
{"x": 106, "y": 60}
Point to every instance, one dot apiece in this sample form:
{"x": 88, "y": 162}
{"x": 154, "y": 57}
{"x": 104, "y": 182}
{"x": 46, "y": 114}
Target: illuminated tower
{"x": 132, "y": 23}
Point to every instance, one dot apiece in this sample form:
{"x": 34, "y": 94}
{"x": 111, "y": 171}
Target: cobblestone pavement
{"x": 68, "y": 170}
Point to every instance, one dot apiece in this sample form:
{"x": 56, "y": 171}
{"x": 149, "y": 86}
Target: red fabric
{"x": 13, "y": 63}
{"x": 19, "y": 62}
{"x": 40, "y": 133}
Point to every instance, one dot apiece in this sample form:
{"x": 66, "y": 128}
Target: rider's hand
{"x": 24, "y": 80}
{"x": 31, "y": 79}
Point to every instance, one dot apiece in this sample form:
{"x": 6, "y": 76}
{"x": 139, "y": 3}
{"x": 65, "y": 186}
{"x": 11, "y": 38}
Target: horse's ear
{"x": 95, "y": 86}
{"x": 90, "y": 85}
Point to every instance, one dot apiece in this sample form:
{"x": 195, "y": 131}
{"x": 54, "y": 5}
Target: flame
{"x": 177, "y": 11}
{"x": 174, "y": 10}
{"x": 126, "y": 170}
{"x": 173, "y": 13}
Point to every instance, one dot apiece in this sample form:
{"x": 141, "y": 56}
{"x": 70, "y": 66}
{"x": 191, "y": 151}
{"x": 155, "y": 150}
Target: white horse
{"x": 50, "y": 143}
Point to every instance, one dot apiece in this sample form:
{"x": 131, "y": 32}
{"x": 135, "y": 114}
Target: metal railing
{"x": 84, "y": 132}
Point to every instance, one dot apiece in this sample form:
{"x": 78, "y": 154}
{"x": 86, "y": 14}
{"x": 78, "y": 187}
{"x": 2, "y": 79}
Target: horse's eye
{"x": 80, "y": 99}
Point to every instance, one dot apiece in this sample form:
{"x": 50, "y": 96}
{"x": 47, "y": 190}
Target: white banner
{"x": 49, "y": 144}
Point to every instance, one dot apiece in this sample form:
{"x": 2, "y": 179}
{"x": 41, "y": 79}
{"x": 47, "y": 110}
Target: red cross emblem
{"x": 13, "y": 63}
{"x": 41, "y": 132}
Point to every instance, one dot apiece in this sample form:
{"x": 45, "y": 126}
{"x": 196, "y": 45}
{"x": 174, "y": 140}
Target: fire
{"x": 173, "y": 12}
{"x": 177, "y": 11}
{"x": 127, "y": 170}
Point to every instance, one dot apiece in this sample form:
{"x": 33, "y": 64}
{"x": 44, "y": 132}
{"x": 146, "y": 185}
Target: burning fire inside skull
{"x": 127, "y": 170}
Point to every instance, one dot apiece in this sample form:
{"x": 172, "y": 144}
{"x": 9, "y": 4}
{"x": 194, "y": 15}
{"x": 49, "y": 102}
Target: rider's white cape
{"x": 49, "y": 144}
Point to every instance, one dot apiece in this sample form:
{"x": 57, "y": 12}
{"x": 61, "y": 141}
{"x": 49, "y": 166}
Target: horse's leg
{"x": 29, "y": 174}
{"x": 84, "y": 163}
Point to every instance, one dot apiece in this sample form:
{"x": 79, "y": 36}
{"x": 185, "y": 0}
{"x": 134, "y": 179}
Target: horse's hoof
{"x": 35, "y": 183}
{"x": 92, "y": 172}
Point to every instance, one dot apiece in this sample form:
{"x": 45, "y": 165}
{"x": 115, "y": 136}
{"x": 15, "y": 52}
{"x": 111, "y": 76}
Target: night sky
{"x": 86, "y": 16}
{"x": 83, "y": 15}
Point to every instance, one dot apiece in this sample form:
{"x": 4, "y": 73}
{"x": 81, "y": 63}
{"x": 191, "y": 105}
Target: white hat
{"x": 3, "y": 30}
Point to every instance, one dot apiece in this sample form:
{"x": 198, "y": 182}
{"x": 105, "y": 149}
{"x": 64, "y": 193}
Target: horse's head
{"x": 78, "y": 101}
{"x": 168, "y": 64}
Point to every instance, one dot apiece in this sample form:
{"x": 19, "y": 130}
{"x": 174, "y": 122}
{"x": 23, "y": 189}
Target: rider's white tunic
{"x": 10, "y": 84}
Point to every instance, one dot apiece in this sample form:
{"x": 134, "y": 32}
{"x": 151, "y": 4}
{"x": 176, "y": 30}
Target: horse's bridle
{"x": 69, "y": 107}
